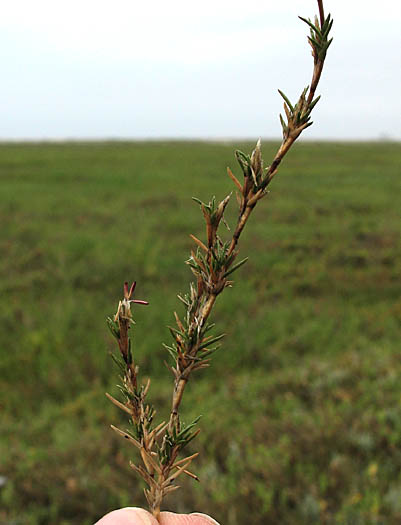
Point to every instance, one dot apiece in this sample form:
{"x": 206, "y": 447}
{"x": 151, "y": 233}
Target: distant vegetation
{"x": 321, "y": 296}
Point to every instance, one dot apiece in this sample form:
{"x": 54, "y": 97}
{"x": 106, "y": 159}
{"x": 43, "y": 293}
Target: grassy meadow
{"x": 301, "y": 407}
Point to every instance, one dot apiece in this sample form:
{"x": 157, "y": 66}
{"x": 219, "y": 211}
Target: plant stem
{"x": 321, "y": 12}
{"x": 181, "y": 382}
{"x": 212, "y": 264}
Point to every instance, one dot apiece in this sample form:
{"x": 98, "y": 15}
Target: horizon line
{"x": 228, "y": 139}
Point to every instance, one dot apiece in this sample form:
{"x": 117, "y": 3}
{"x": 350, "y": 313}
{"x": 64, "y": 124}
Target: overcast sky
{"x": 208, "y": 69}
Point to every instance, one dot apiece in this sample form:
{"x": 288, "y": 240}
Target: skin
{"x": 137, "y": 516}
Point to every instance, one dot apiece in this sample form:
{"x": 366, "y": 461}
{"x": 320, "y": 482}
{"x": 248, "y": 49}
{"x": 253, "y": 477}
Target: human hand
{"x": 137, "y": 516}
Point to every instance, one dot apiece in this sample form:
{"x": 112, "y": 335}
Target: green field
{"x": 301, "y": 408}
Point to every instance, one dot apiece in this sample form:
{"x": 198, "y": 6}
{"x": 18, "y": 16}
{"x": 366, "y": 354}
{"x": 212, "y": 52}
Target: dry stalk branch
{"x": 212, "y": 262}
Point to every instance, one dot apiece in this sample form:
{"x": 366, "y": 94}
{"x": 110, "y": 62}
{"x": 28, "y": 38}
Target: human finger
{"x": 169, "y": 518}
{"x": 128, "y": 516}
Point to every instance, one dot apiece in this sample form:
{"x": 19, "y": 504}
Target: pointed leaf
{"x": 286, "y": 100}
{"x": 235, "y": 267}
{"x": 314, "y": 102}
{"x": 244, "y": 161}
{"x": 311, "y": 25}
{"x": 211, "y": 341}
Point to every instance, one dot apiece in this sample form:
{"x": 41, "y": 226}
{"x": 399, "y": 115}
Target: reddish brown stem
{"x": 317, "y": 73}
{"x": 321, "y": 12}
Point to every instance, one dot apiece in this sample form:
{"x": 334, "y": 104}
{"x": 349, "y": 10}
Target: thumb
{"x": 128, "y": 516}
{"x": 169, "y": 518}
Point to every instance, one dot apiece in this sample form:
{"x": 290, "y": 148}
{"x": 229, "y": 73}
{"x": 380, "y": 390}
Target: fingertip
{"x": 207, "y": 520}
{"x": 128, "y": 516}
{"x": 170, "y": 518}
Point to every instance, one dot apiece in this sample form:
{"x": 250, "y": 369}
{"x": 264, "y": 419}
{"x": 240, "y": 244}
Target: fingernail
{"x": 206, "y": 517}
{"x": 142, "y": 514}
{"x": 128, "y": 515}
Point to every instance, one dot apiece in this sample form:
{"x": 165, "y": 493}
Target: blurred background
{"x": 113, "y": 117}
